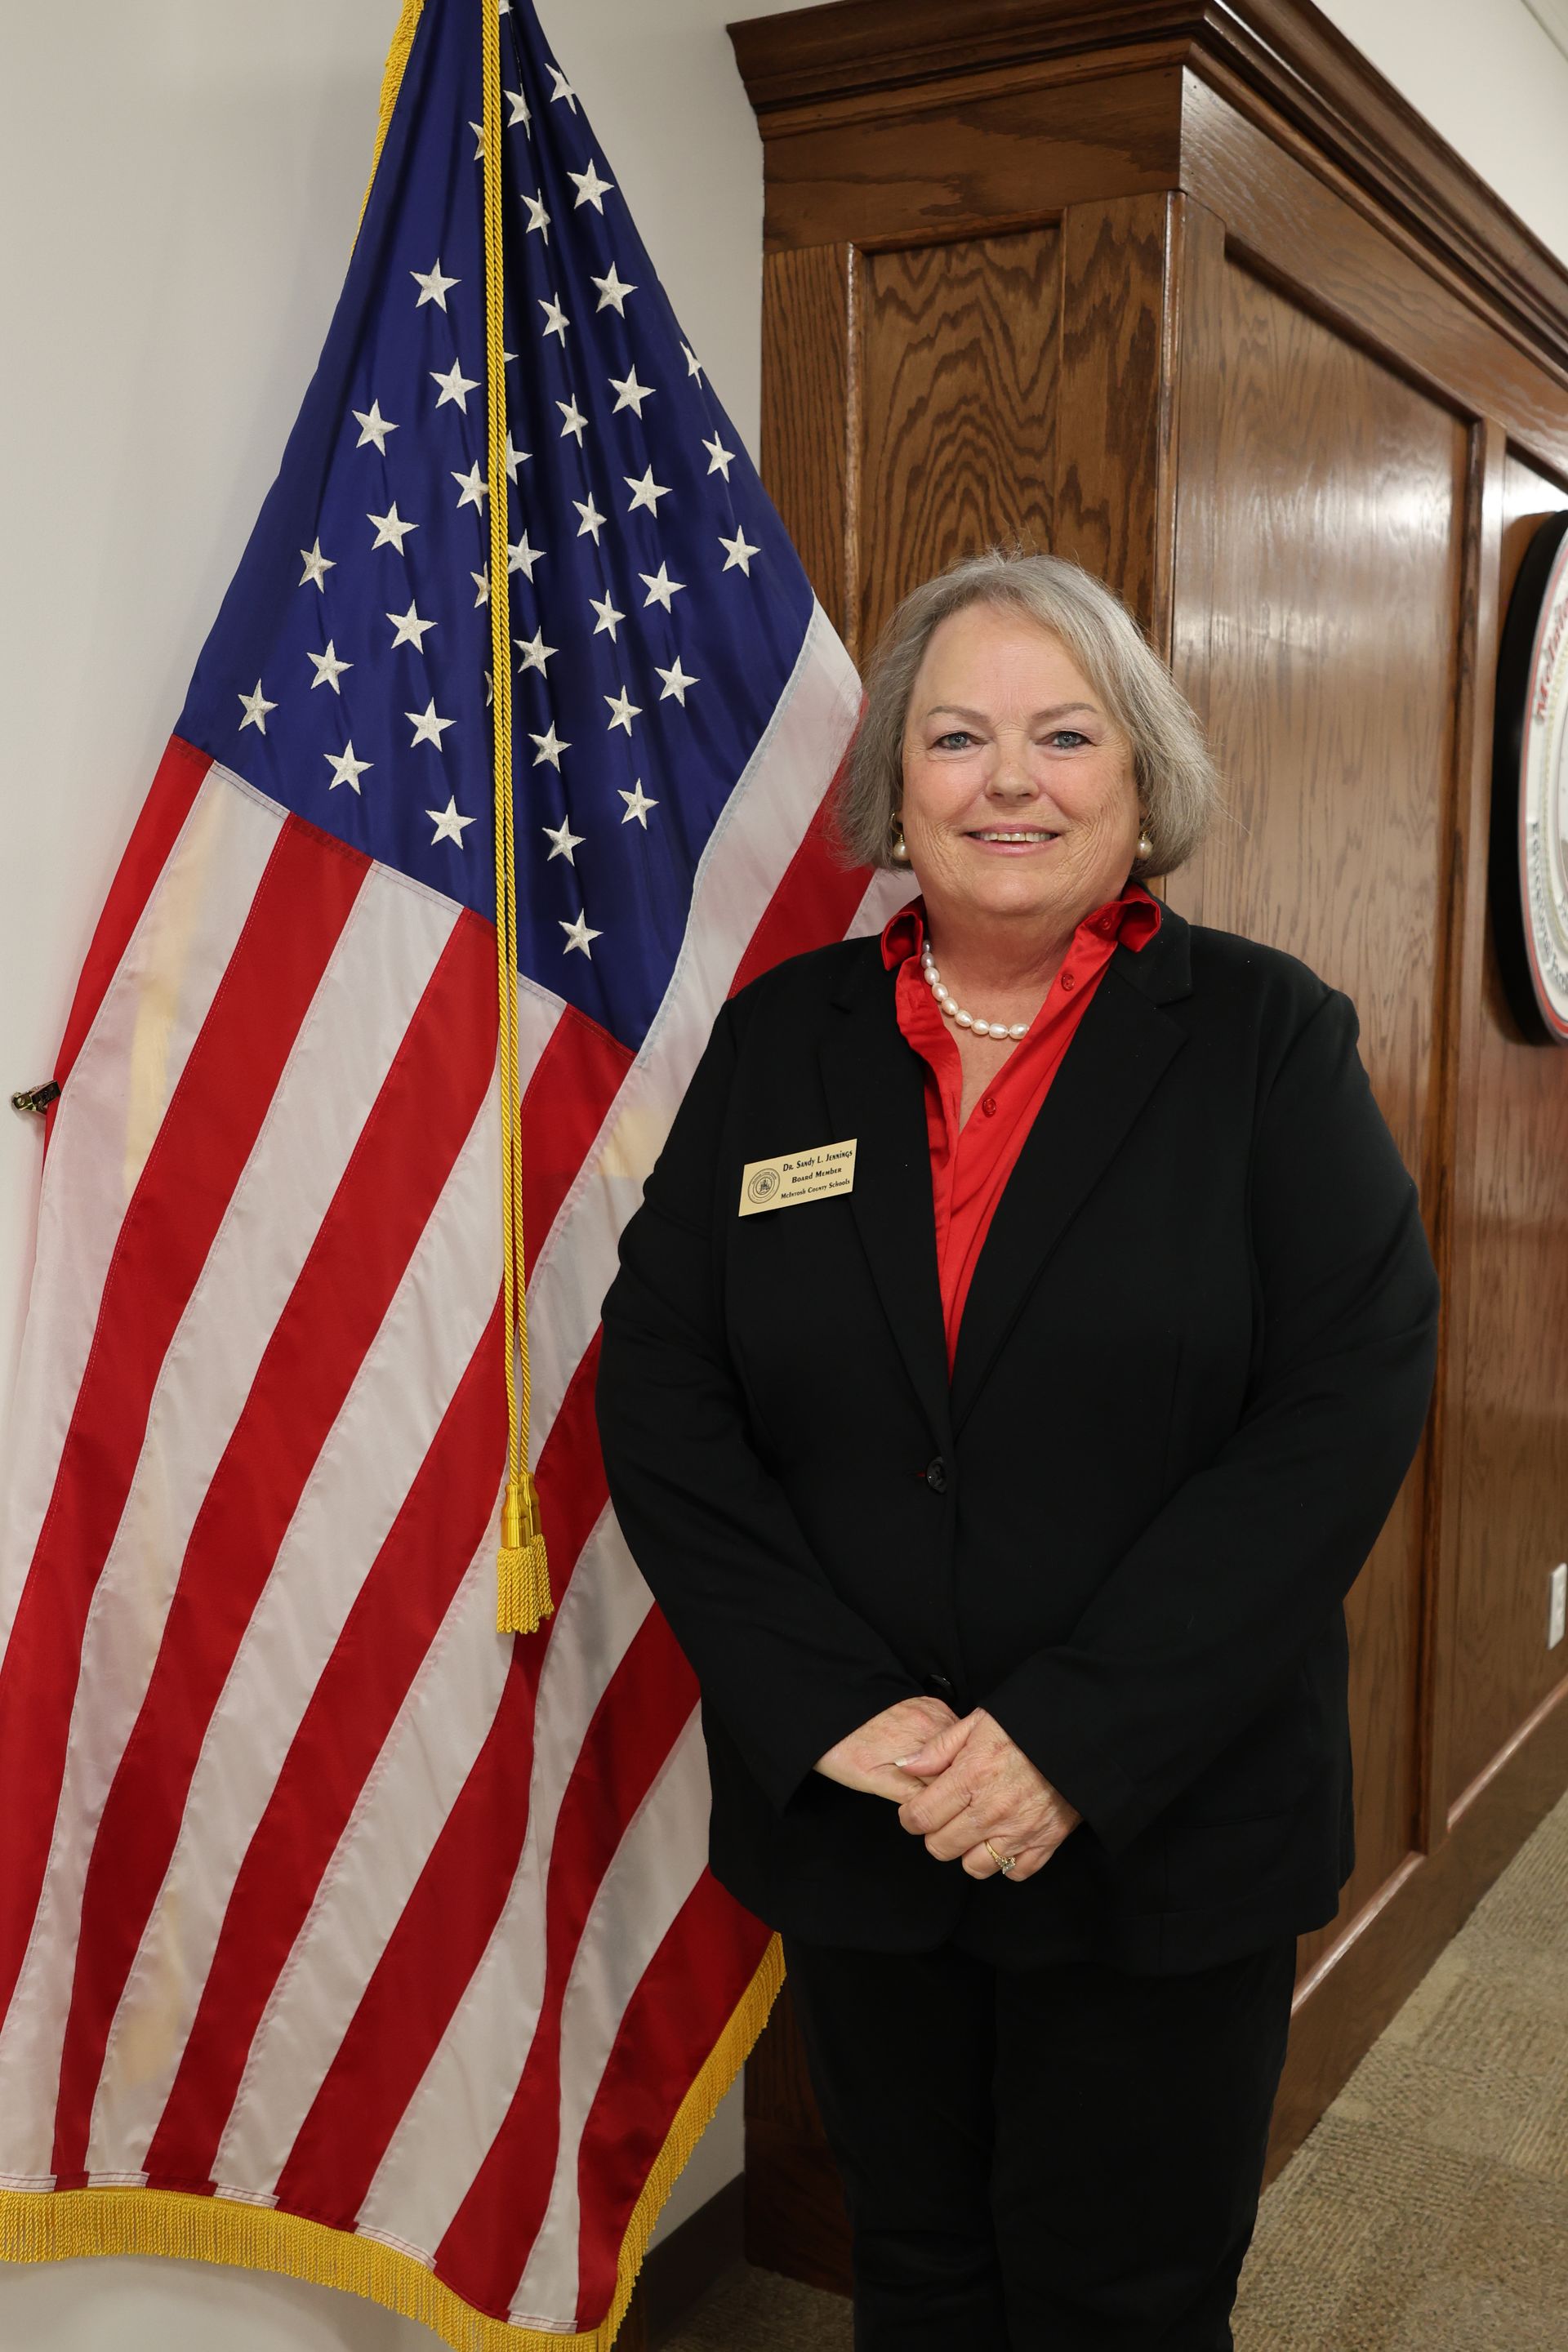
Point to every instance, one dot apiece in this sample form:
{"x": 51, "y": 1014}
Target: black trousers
{"x": 1064, "y": 2158}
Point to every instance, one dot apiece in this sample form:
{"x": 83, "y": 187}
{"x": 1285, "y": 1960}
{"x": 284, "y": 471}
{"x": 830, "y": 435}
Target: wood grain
{"x": 1281, "y": 61}
{"x": 808, "y": 322}
{"x": 1113, "y": 415}
{"x": 958, "y": 361}
{"x": 1329, "y": 703}
{"x": 1513, "y": 1504}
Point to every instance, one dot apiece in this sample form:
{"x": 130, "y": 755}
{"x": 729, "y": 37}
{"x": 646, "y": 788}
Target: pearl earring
{"x": 1145, "y": 846}
{"x": 900, "y": 850}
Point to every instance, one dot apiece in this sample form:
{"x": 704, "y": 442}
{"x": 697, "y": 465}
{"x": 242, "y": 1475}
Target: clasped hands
{"x": 956, "y": 1782}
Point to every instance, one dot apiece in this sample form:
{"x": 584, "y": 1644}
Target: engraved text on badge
{"x": 797, "y": 1176}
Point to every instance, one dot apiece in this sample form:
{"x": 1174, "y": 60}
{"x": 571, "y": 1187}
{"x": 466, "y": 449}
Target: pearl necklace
{"x": 932, "y": 979}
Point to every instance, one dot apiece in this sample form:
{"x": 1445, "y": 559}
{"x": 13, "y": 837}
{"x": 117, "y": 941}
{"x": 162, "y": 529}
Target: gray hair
{"x": 1178, "y": 788}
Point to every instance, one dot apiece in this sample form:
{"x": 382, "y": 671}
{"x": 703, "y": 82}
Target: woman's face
{"x": 1019, "y": 801}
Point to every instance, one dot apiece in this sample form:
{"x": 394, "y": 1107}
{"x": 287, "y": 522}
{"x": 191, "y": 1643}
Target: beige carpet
{"x": 1429, "y": 2211}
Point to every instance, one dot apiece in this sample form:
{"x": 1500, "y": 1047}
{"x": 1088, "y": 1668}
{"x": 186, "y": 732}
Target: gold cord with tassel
{"x": 522, "y": 1592}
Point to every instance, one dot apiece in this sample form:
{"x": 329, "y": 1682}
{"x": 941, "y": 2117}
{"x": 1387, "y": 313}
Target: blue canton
{"x": 657, "y": 608}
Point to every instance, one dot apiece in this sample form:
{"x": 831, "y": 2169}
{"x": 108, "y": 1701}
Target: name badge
{"x": 797, "y": 1176}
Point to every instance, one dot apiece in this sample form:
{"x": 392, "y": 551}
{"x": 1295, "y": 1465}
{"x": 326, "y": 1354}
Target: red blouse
{"x": 970, "y": 1164}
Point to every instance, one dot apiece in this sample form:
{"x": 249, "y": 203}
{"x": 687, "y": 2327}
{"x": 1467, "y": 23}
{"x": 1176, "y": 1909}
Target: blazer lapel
{"x": 1121, "y": 1050}
{"x": 875, "y": 1093}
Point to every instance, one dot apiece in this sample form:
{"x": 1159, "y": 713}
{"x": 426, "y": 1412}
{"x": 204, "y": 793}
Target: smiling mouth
{"x": 1024, "y": 834}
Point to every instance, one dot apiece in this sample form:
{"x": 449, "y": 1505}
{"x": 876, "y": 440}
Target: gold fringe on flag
{"x": 522, "y": 1578}
{"x": 59, "y": 2225}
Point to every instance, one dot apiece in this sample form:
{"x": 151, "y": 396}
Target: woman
{"x": 1005, "y": 1496}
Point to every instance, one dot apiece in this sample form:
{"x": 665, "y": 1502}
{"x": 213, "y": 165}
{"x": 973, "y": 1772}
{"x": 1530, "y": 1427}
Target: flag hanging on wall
{"x": 342, "y": 1934}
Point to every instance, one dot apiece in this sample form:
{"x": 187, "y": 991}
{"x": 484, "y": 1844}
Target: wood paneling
{"x": 1330, "y": 704}
{"x": 1190, "y": 295}
{"x": 959, "y": 354}
{"x": 1514, "y": 1508}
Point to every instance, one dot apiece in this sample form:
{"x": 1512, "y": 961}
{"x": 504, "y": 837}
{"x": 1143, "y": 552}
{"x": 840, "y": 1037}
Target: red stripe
{"x": 402, "y": 1158}
{"x": 154, "y": 835}
{"x": 697, "y": 1978}
{"x": 423, "y": 1970}
{"x": 575, "y": 1080}
{"x": 206, "y": 1135}
{"x": 813, "y": 905}
{"x": 640, "y": 1716}
{"x": 395, "y": 1615}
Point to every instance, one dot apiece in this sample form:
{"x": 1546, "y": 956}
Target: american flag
{"x": 340, "y": 1934}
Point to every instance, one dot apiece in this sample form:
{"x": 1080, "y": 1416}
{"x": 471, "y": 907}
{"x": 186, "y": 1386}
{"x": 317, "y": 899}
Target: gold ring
{"x": 1003, "y": 1861}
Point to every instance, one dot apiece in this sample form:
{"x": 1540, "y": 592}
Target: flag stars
{"x": 514, "y": 458}
{"x": 433, "y": 286}
{"x": 592, "y": 521}
{"x": 329, "y": 669}
{"x": 550, "y": 748}
{"x": 391, "y": 530}
{"x": 449, "y": 824}
{"x": 646, "y": 491}
{"x": 693, "y": 366}
{"x": 535, "y": 653}
{"x": 481, "y": 581}
{"x": 522, "y": 557}
{"x": 538, "y": 218}
{"x": 346, "y": 768}
{"x": 631, "y": 394}
{"x": 555, "y": 319}
{"x": 613, "y": 291}
{"x": 676, "y": 682}
{"x": 562, "y": 90}
{"x": 454, "y": 386}
{"x": 606, "y": 614}
{"x": 408, "y": 629}
{"x": 519, "y": 113}
{"x": 573, "y": 421}
{"x": 637, "y": 805}
{"x": 622, "y": 710}
{"x": 660, "y": 586}
{"x": 563, "y": 841}
{"x": 256, "y": 708}
{"x": 373, "y": 426}
{"x": 738, "y": 551}
{"x": 719, "y": 459}
{"x": 578, "y": 935}
{"x": 591, "y": 189}
{"x": 474, "y": 491}
{"x": 317, "y": 567}
{"x": 479, "y": 130}
{"x": 428, "y": 729}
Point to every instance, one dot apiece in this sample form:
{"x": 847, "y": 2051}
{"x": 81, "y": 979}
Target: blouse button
{"x": 988, "y": 1105}
{"x": 1067, "y": 979}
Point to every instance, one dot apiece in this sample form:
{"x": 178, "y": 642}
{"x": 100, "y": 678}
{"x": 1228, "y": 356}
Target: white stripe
{"x": 758, "y": 834}
{"x": 658, "y": 1862}
{"x": 369, "y": 1460}
{"x": 462, "y": 2101}
{"x": 130, "y": 1063}
{"x": 402, "y": 1810}
{"x": 356, "y": 1022}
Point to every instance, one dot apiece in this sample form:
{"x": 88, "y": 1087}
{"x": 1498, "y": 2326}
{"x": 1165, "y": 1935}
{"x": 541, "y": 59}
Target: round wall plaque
{"x": 1529, "y": 789}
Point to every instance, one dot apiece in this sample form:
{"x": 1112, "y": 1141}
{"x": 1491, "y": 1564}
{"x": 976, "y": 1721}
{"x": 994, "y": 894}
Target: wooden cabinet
{"x": 1190, "y": 294}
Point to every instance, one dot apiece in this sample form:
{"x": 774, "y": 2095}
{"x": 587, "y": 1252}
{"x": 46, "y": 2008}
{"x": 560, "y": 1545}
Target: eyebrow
{"x": 1054, "y": 710}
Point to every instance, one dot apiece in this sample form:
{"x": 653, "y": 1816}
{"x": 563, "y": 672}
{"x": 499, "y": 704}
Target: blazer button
{"x": 936, "y": 1475}
{"x": 938, "y": 1687}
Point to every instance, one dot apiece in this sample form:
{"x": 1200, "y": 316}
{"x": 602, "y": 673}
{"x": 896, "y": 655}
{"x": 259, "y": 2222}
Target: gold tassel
{"x": 522, "y": 1584}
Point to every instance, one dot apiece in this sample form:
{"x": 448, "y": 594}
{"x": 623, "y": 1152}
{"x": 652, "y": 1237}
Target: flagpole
{"x": 522, "y": 1594}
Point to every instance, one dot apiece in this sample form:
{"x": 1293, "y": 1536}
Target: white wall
{"x": 180, "y": 181}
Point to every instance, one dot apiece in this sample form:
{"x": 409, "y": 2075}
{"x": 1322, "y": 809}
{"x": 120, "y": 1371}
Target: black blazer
{"x": 1192, "y": 1373}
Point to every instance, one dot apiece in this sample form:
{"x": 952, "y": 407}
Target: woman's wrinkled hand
{"x": 979, "y": 1785}
{"x": 863, "y": 1759}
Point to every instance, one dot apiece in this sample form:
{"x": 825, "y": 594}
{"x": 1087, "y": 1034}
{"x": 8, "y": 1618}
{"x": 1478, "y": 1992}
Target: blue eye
{"x": 955, "y": 735}
{"x": 1057, "y": 736}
